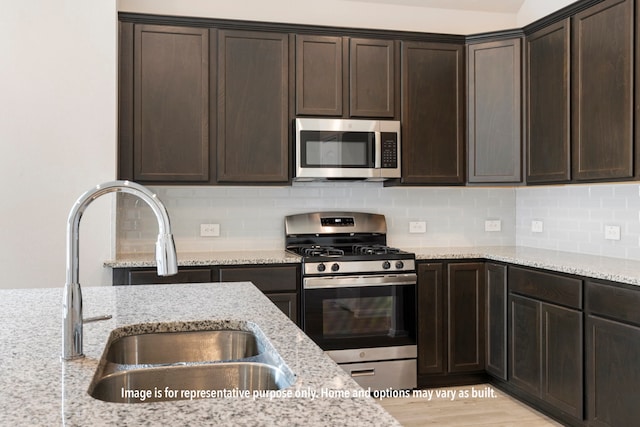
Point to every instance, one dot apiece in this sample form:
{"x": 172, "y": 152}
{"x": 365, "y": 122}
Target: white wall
{"x": 57, "y": 135}
{"x": 532, "y": 10}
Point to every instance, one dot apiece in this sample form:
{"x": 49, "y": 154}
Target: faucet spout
{"x": 166, "y": 259}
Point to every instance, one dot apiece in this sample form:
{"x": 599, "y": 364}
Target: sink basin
{"x": 182, "y": 382}
{"x": 177, "y": 347}
{"x": 157, "y": 363}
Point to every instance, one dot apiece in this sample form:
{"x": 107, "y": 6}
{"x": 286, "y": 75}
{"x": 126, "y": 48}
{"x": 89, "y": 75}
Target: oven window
{"x": 345, "y": 317}
{"x": 359, "y": 317}
{"x": 337, "y": 149}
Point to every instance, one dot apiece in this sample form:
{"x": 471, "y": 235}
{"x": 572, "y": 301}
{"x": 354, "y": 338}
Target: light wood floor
{"x": 500, "y": 410}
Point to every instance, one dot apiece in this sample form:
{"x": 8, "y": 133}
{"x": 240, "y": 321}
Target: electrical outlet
{"x": 209, "y": 230}
{"x": 492, "y": 225}
{"x": 536, "y": 226}
{"x": 612, "y": 232}
{"x": 417, "y": 227}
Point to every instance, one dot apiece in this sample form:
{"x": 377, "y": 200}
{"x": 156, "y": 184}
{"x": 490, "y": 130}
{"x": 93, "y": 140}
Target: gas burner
{"x": 321, "y": 251}
{"x": 374, "y": 250}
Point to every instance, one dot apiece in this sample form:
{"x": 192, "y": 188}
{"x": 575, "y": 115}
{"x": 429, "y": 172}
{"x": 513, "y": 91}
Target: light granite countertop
{"x": 592, "y": 266}
{"x": 191, "y": 259}
{"x": 38, "y": 389}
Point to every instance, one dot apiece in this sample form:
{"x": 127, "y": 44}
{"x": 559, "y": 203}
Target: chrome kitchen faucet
{"x": 72, "y": 300}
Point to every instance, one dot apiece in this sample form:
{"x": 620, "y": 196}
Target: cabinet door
{"x": 432, "y": 113}
{"x": 602, "y": 91}
{"x": 170, "y": 97}
{"x": 466, "y": 320}
{"x": 524, "y": 358}
{"x": 548, "y": 110}
{"x": 562, "y": 354}
{"x": 253, "y": 96}
{"x": 287, "y": 303}
{"x": 496, "y": 277}
{"x": 319, "y": 74}
{"x": 494, "y": 111}
{"x": 613, "y": 352}
{"x": 372, "y": 78}
{"x": 430, "y": 319}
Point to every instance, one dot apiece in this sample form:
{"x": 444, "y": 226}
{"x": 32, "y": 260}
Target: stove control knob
{"x": 335, "y": 267}
{"x": 321, "y": 267}
{"x": 399, "y": 265}
{"x": 386, "y": 265}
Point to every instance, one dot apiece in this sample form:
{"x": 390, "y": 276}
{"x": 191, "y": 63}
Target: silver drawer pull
{"x": 363, "y": 373}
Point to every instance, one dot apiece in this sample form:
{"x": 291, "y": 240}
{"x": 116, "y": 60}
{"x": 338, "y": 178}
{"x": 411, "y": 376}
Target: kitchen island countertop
{"x": 37, "y": 388}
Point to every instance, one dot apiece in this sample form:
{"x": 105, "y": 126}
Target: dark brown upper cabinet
{"x": 494, "y": 111}
{"x": 319, "y": 75}
{"x": 253, "y": 113}
{"x": 548, "y": 99}
{"x": 432, "y": 113}
{"x": 602, "y": 91}
{"x": 345, "y": 77}
{"x": 372, "y": 78}
{"x": 164, "y": 104}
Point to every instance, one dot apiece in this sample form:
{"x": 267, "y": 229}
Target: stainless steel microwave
{"x": 347, "y": 149}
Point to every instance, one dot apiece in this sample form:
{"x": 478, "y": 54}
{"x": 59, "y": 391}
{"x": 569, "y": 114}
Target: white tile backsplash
{"x": 575, "y": 215}
{"x": 253, "y": 217}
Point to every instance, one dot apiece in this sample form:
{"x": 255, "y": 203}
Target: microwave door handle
{"x": 377, "y": 155}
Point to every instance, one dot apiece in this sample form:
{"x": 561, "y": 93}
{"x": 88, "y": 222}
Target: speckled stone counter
{"x": 190, "y": 259}
{"x": 597, "y": 267}
{"x": 592, "y": 266}
{"x": 38, "y": 389}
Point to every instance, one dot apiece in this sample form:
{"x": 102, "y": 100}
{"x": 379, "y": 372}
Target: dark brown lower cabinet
{"x": 279, "y": 283}
{"x": 149, "y": 276}
{"x": 466, "y": 327}
{"x": 496, "y": 314}
{"x": 525, "y": 344}
{"x": 451, "y": 325}
{"x": 612, "y": 355}
{"x": 546, "y": 353}
{"x": 430, "y": 319}
{"x": 613, "y": 377}
{"x": 546, "y": 339}
{"x": 562, "y": 358}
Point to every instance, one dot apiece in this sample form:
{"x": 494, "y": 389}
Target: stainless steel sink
{"x": 157, "y": 365}
{"x": 175, "y": 347}
{"x": 185, "y": 382}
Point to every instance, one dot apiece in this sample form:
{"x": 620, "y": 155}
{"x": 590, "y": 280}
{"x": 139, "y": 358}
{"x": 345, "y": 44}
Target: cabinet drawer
{"x": 267, "y": 279}
{"x": 546, "y": 286}
{"x": 150, "y": 276}
{"x": 612, "y": 301}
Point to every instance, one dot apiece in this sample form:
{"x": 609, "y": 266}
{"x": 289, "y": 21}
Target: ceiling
{"x": 496, "y": 6}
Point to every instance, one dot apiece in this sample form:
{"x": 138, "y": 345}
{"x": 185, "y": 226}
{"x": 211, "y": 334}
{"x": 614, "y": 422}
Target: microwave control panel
{"x": 389, "y": 150}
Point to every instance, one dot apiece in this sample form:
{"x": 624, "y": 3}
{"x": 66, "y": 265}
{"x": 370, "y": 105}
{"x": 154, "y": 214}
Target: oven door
{"x": 349, "y": 312}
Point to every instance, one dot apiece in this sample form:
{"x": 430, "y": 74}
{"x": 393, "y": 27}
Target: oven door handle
{"x": 359, "y": 281}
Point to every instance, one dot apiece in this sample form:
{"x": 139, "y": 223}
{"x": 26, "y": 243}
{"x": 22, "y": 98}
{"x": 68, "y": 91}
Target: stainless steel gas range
{"x": 358, "y": 295}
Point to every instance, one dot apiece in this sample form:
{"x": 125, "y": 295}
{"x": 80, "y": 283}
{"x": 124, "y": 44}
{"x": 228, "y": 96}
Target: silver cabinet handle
{"x": 363, "y": 372}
